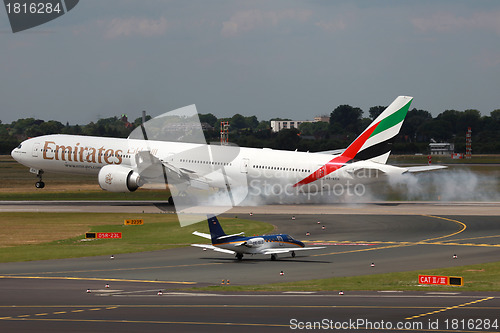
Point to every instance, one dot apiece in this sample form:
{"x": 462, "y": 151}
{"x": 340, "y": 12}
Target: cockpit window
{"x": 19, "y": 147}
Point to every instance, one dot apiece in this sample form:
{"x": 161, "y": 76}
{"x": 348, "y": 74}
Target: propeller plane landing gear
{"x": 239, "y": 256}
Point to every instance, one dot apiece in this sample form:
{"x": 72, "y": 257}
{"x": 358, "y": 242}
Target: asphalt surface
{"x": 51, "y": 295}
{"x": 364, "y": 208}
{"x": 64, "y": 306}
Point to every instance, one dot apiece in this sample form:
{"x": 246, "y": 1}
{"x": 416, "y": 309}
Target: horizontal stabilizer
{"x": 226, "y": 236}
{"x": 211, "y": 247}
{"x": 332, "y": 152}
{"x": 365, "y": 172}
{"x": 425, "y": 168}
{"x": 201, "y": 234}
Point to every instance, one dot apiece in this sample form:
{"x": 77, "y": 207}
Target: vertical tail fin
{"x": 375, "y": 142}
{"x": 216, "y": 230}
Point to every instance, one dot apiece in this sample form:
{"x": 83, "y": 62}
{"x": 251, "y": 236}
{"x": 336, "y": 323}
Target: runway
{"x": 51, "y": 295}
{"x": 64, "y": 306}
{"x": 368, "y": 208}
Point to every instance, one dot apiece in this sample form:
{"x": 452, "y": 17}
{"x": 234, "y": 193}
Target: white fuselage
{"x": 263, "y": 168}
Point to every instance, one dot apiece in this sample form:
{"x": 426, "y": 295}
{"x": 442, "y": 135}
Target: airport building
{"x": 442, "y": 148}
{"x": 278, "y": 125}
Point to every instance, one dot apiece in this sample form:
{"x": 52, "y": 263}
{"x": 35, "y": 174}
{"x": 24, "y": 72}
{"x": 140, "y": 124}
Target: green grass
{"x": 160, "y": 231}
{"x": 481, "y": 277}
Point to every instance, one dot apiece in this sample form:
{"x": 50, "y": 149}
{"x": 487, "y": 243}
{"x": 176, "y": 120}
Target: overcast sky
{"x": 269, "y": 58}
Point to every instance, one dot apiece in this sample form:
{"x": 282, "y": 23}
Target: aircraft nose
{"x": 18, "y": 153}
{"x": 13, "y": 153}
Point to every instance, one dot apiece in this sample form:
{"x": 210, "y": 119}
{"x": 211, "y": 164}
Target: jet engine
{"x": 255, "y": 242}
{"x": 117, "y": 178}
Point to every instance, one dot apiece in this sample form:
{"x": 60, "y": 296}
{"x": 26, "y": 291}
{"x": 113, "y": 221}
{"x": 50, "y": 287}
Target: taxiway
{"x": 51, "y": 295}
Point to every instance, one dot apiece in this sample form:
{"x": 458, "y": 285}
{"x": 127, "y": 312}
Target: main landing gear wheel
{"x": 239, "y": 256}
{"x": 170, "y": 201}
{"x": 273, "y": 257}
{"x": 40, "y": 184}
{"x": 293, "y": 254}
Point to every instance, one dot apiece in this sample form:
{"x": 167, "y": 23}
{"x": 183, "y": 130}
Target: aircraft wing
{"x": 201, "y": 234}
{"x": 290, "y": 249}
{"x": 153, "y": 169}
{"x": 182, "y": 175}
{"x": 425, "y": 168}
{"x": 215, "y": 248}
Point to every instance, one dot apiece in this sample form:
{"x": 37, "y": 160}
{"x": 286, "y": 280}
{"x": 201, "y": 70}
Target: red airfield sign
{"x": 103, "y": 235}
{"x": 433, "y": 279}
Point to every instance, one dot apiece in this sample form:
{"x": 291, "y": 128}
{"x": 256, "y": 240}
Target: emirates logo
{"x": 109, "y": 179}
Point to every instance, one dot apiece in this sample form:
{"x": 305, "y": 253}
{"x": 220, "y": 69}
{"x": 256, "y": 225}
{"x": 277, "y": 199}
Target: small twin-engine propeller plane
{"x": 239, "y": 245}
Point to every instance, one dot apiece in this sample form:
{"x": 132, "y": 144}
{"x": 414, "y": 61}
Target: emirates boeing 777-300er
{"x": 124, "y": 165}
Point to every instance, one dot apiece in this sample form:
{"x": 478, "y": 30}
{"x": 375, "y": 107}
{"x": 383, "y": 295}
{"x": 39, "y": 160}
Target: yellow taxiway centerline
{"x": 449, "y": 308}
{"x": 90, "y": 279}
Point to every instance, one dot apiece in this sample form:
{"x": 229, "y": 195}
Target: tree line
{"x": 346, "y": 123}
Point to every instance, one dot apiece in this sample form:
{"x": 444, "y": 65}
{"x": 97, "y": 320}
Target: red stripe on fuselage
{"x": 339, "y": 161}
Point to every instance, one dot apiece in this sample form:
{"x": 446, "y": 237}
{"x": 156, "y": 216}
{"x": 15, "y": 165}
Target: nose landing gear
{"x": 39, "y": 183}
